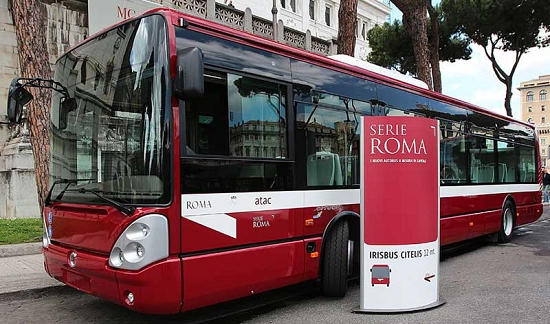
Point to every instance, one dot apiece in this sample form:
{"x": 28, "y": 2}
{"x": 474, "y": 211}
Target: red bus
{"x": 193, "y": 164}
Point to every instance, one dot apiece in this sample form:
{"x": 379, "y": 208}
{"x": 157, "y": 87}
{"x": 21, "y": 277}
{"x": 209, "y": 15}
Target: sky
{"x": 475, "y": 82}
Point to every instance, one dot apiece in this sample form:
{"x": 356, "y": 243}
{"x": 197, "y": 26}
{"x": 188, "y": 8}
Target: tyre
{"x": 335, "y": 262}
{"x": 507, "y": 222}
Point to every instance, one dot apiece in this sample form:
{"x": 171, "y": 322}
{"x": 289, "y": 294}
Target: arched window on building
{"x": 542, "y": 95}
{"x": 530, "y": 96}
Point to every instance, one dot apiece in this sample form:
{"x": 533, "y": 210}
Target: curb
{"x": 10, "y": 250}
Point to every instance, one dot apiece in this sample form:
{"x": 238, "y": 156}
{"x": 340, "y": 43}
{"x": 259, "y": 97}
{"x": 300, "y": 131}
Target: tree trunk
{"x": 502, "y": 76}
{"x": 508, "y": 98}
{"x": 415, "y": 21}
{"x": 434, "y": 48}
{"x": 347, "y": 26}
{"x": 34, "y": 62}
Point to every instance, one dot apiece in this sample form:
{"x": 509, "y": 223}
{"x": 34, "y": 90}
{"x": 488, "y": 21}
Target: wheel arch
{"x": 354, "y": 221}
{"x": 502, "y": 235}
{"x": 510, "y": 198}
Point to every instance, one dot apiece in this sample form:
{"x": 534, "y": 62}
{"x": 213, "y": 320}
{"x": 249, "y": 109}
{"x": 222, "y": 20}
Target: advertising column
{"x": 399, "y": 214}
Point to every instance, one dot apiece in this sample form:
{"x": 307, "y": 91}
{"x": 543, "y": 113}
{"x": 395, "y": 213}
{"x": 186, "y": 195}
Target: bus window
{"x": 527, "y": 164}
{"x": 240, "y": 116}
{"x": 506, "y": 162}
{"x": 331, "y": 148}
{"x": 390, "y": 97}
{"x": 453, "y": 158}
{"x": 482, "y": 155}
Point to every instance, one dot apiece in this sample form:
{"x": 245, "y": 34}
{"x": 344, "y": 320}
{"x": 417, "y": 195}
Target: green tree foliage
{"x": 392, "y": 48}
{"x": 501, "y": 25}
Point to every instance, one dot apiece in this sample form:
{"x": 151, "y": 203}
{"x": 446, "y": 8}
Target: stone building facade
{"x": 66, "y": 24}
{"x": 535, "y": 109}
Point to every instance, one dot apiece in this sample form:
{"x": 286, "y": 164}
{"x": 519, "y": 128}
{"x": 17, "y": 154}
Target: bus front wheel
{"x": 507, "y": 222}
{"x": 335, "y": 261}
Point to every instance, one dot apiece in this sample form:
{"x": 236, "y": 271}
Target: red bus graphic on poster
{"x": 380, "y": 274}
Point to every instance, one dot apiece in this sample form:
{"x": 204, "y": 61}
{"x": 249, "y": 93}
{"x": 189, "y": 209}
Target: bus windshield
{"x": 113, "y": 140}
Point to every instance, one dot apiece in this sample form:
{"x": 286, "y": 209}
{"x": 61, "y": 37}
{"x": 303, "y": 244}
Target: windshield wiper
{"x": 48, "y": 199}
{"x": 127, "y": 210}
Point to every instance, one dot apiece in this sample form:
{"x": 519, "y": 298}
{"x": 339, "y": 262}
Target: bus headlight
{"x": 142, "y": 243}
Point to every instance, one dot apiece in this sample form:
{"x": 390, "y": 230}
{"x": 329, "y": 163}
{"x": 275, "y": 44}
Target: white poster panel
{"x": 105, "y": 13}
{"x": 399, "y": 239}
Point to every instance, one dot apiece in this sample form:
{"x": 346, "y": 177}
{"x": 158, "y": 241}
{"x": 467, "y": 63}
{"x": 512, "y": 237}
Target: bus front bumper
{"x": 155, "y": 289}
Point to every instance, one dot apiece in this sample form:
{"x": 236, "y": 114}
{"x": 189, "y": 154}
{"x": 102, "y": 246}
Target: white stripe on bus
{"x": 222, "y": 223}
{"x": 237, "y": 202}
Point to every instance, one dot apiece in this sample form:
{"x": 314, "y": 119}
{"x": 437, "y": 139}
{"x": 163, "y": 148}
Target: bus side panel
{"x": 478, "y": 223}
{"x": 320, "y": 216}
{"x": 157, "y": 288}
{"x": 493, "y": 222}
{"x": 214, "y": 278}
{"x": 454, "y": 229}
{"x": 528, "y": 214}
{"x": 311, "y": 270}
{"x": 237, "y": 229}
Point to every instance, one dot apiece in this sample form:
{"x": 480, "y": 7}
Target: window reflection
{"x": 331, "y": 131}
{"x": 241, "y": 116}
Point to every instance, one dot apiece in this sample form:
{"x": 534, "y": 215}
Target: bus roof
{"x": 378, "y": 69}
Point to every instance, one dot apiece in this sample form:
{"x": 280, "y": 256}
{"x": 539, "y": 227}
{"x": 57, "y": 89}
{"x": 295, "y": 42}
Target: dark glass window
{"x": 527, "y": 164}
{"x": 230, "y": 55}
{"x": 393, "y": 99}
{"x": 312, "y": 9}
{"x": 218, "y": 175}
{"x": 482, "y": 159}
{"x": 237, "y": 136}
{"x": 241, "y": 116}
{"x": 327, "y": 15}
{"x": 530, "y": 96}
{"x": 506, "y": 162}
{"x": 116, "y": 138}
{"x": 291, "y": 6}
{"x": 442, "y": 110}
{"x": 453, "y": 153}
{"x": 328, "y": 144}
{"x": 314, "y": 78}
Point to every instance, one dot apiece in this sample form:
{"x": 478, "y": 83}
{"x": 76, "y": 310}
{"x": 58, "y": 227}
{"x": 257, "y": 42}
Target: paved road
{"x": 485, "y": 283}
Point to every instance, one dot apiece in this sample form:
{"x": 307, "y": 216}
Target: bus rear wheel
{"x": 335, "y": 261}
{"x": 507, "y": 222}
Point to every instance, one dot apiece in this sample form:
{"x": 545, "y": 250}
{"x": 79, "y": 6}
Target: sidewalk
{"x": 22, "y": 268}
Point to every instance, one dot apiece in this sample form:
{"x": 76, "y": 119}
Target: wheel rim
{"x": 508, "y": 222}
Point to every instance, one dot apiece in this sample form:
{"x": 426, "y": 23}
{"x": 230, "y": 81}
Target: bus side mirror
{"x": 189, "y": 81}
{"x": 18, "y": 97}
